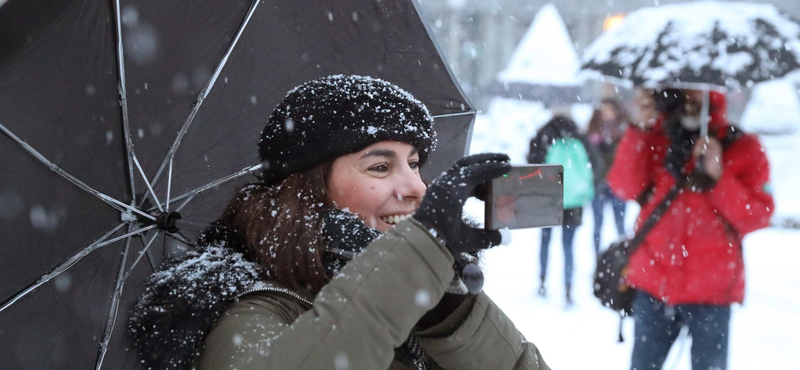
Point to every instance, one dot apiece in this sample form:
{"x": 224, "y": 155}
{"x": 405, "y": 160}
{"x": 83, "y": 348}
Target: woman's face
{"x": 380, "y": 183}
{"x": 643, "y": 109}
{"x": 608, "y": 112}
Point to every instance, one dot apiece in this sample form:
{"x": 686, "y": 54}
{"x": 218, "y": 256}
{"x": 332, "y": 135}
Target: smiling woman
{"x": 336, "y": 257}
{"x": 380, "y": 183}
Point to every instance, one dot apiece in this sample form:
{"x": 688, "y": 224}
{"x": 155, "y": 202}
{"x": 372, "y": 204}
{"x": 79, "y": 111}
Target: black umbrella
{"x": 116, "y": 115}
{"x": 702, "y": 45}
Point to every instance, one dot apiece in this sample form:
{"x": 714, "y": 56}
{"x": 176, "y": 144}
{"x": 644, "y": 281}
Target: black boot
{"x": 541, "y": 291}
{"x": 569, "y": 294}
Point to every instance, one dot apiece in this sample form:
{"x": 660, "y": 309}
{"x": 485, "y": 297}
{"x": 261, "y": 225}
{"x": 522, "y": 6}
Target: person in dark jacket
{"x": 606, "y": 127}
{"x": 560, "y": 142}
{"x": 689, "y": 270}
{"x": 338, "y": 257}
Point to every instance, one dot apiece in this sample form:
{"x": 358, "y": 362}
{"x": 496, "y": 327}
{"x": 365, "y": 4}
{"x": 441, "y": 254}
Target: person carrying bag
{"x": 612, "y": 264}
{"x": 689, "y": 269}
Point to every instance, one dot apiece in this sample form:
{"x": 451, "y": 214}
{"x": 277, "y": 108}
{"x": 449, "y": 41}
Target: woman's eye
{"x": 414, "y": 165}
{"x": 379, "y": 168}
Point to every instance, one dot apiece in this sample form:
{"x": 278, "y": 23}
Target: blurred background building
{"x": 479, "y": 36}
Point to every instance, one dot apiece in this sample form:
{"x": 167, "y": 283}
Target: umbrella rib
{"x": 182, "y": 238}
{"x": 151, "y": 260}
{"x": 114, "y": 309}
{"x": 119, "y": 206}
{"x": 123, "y": 102}
{"x": 169, "y": 185}
{"x": 191, "y": 194}
{"x": 66, "y": 265}
{"x": 149, "y": 186}
{"x": 204, "y": 92}
{"x": 148, "y": 253}
{"x": 139, "y": 258}
{"x": 455, "y": 114}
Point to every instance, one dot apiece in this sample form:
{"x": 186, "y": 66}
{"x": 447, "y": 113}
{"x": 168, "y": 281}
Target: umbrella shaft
{"x": 704, "y": 114}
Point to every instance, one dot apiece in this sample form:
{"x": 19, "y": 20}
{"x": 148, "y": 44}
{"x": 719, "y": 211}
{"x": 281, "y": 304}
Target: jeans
{"x": 602, "y": 195}
{"x": 568, "y": 234}
{"x": 657, "y": 326}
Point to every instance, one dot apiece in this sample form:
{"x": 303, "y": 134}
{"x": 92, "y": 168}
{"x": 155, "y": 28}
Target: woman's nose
{"x": 411, "y": 187}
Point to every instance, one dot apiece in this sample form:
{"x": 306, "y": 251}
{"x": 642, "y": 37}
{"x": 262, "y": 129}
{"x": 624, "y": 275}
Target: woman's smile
{"x": 394, "y": 219}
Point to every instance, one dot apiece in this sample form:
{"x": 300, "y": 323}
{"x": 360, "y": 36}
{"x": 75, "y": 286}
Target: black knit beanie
{"x": 326, "y": 118}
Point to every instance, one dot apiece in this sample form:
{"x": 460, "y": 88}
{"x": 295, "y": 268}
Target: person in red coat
{"x": 689, "y": 269}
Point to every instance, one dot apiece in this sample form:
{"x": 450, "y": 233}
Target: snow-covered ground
{"x": 765, "y": 331}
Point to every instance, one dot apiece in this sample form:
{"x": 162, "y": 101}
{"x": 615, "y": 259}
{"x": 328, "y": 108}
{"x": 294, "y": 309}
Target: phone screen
{"x": 528, "y": 196}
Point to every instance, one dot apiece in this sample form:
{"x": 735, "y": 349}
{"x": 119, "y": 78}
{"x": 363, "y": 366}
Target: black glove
{"x": 441, "y": 208}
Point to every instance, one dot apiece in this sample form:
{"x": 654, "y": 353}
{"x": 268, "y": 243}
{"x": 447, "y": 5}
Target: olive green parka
{"x": 366, "y": 311}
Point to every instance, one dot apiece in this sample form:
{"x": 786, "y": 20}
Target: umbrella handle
{"x": 700, "y": 165}
{"x": 704, "y": 113}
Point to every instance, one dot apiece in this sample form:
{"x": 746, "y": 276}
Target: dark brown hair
{"x": 279, "y": 226}
{"x": 595, "y": 124}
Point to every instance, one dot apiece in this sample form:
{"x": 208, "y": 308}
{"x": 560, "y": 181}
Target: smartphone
{"x": 528, "y": 196}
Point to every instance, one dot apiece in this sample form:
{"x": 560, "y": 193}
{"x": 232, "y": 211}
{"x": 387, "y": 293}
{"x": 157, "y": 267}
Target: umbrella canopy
{"x": 114, "y": 115}
{"x": 691, "y": 45}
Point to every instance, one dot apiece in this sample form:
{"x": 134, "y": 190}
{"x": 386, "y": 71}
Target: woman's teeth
{"x": 394, "y": 219}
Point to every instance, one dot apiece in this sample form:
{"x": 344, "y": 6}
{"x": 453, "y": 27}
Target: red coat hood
{"x": 717, "y": 113}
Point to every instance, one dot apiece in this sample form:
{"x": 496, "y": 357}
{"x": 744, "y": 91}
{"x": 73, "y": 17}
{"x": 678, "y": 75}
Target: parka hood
{"x": 182, "y": 302}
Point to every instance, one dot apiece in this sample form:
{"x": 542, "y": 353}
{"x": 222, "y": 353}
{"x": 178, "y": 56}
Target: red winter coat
{"x": 691, "y": 256}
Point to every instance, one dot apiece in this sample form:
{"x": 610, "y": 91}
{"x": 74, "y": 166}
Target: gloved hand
{"x": 441, "y": 208}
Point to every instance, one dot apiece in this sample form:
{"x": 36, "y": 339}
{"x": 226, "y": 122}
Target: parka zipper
{"x": 283, "y": 291}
